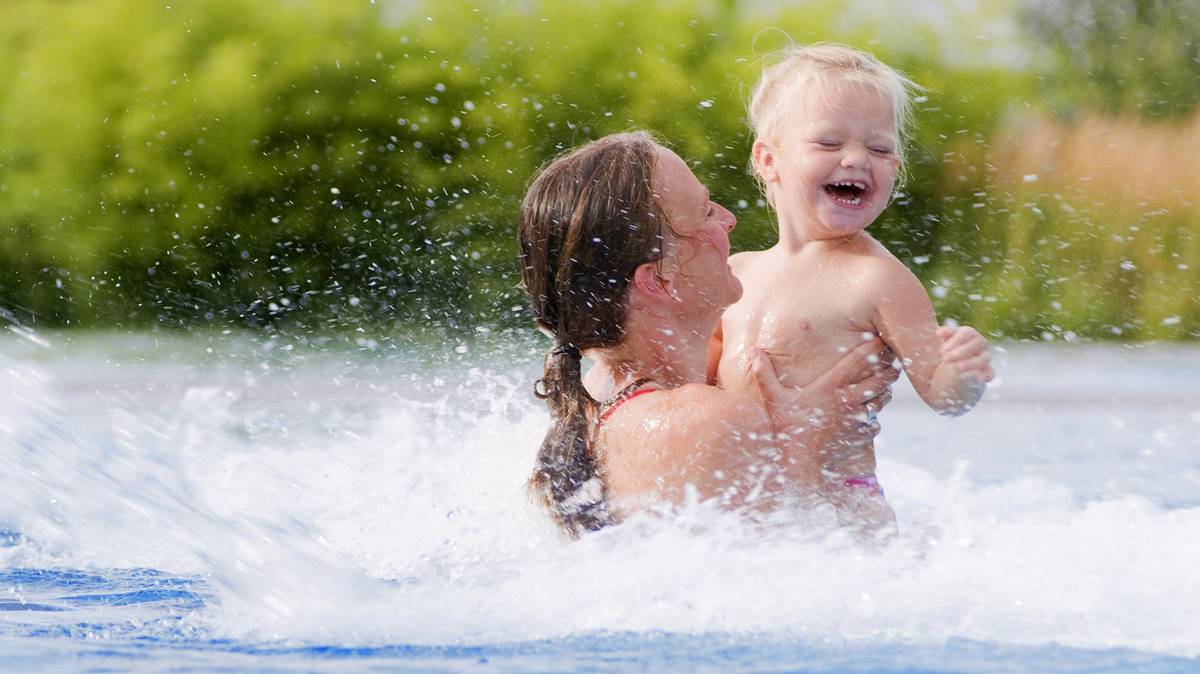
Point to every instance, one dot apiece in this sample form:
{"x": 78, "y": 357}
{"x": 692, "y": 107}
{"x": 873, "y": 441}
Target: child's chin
{"x": 843, "y": 222}
{"x": 839, "y": 227}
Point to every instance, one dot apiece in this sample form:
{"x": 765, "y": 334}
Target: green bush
{"x": 320, "y": 163}
{"x": 1139, "y": 56}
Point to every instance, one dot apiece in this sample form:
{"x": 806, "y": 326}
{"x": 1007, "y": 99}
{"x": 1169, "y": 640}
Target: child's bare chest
{"x": 805, "y": 321}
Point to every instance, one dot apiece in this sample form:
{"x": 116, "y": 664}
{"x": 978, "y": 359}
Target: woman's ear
{"x": 764, "y": 159}
{"x": 649, "y": 283}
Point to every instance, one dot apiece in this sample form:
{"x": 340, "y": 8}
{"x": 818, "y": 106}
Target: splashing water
{"x": 233, "y": 497}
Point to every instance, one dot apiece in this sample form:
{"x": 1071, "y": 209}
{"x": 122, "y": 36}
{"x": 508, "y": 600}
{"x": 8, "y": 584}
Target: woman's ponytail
{"x": 566, "y": 478}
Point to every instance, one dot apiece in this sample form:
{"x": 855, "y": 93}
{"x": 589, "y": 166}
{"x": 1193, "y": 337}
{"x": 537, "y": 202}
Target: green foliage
{"x": 213, "y": 163}
{"x": 320, "y": 163}
{"x": 1140, "y": 56}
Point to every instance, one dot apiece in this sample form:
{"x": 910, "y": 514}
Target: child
{"x": 829, "y": 123}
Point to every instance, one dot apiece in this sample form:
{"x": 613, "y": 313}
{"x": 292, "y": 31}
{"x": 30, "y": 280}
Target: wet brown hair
{"x": 589, "y": 219}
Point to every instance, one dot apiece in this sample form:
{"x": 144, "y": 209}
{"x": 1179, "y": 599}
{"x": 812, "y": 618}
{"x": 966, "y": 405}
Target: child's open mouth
{"x": 849, "y": 192}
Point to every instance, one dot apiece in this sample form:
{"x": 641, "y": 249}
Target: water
{"x": 231, "y": 503}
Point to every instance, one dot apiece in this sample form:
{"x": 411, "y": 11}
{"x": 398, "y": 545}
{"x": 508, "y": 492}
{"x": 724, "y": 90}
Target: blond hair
{"x": 788, "y": 70}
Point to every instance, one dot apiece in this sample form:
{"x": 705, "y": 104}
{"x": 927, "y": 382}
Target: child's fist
{"x": 967, "y": 350}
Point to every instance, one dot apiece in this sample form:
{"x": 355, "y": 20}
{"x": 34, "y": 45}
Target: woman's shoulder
{"x": 682, "y": 436}
{"x": 713, "y": 397}
{"x": 694, "y": 412}
{"x": 711, "y": 418}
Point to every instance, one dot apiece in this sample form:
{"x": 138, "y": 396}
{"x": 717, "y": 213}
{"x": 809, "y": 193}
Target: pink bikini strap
{"x": 626, "y": 394}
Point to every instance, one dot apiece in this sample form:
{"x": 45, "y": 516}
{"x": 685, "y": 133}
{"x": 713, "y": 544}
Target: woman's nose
{"x": 730, "y": 219}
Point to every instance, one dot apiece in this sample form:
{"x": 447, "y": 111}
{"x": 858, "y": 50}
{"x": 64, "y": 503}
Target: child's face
{"x": 836, "y": 161}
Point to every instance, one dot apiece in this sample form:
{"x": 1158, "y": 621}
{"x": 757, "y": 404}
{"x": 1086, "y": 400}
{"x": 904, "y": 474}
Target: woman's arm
{"x": 731, "y": 447}
{"x": 833, "y": 421}
{"x": 836, "y": 410}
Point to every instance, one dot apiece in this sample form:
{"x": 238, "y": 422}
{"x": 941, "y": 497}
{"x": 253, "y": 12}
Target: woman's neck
{"x": 670, "y": 355}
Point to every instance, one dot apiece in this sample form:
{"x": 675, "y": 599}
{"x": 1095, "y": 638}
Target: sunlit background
{"x": 318, "y": 163}
{"x": 265, "y": 363}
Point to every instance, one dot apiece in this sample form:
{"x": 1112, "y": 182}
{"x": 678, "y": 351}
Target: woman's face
{"x": 696, "y": 260}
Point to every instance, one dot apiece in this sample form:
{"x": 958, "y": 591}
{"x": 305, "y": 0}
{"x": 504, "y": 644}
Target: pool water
{"x": 237, "y": 503}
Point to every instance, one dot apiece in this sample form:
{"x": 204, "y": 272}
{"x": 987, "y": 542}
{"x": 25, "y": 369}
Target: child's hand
{"x": 967, "y": 350}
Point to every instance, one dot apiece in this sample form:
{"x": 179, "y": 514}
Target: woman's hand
{"x": 836, "y": 412}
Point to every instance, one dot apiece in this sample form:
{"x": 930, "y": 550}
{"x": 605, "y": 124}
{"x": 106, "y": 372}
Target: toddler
{"x": 829, "y": 122}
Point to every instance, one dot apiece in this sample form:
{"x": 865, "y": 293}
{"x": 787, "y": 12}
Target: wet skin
{"x": 828, "y": 285}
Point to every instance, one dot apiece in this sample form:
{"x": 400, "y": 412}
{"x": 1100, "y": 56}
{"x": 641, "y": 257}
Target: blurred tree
{"x": 321, "y": 163}
{"x": 1138, "y": 56}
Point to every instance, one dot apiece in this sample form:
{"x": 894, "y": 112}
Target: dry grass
{"x": 1127, "y": 164}
{"x": 1097, "y": 227}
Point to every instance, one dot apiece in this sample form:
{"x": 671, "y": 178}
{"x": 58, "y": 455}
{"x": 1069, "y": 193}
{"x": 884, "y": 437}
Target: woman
{"x": 624, "y": 258}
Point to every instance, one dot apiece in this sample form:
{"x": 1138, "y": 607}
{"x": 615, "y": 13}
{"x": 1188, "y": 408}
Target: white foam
{"x": 390, "y": 509}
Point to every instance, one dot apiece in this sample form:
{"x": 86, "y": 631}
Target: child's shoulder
{"x": 876, "y": 274}
{"x": 878, "y": 265}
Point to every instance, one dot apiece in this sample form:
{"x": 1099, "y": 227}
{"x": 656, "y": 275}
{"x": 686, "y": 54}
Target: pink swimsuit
{"x": 868, "y": 482}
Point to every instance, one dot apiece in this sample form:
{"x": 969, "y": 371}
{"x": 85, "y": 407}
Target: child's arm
{"x": 948, "y": 367}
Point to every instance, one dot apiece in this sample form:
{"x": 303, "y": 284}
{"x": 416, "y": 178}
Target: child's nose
{"x": 854, "y": 157}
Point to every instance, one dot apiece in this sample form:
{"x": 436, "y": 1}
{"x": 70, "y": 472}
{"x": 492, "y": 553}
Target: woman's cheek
{"x": 716, "y": 240}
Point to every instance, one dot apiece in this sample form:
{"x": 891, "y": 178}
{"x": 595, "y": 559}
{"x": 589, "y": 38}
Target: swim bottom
{"x": 867, "y": 482}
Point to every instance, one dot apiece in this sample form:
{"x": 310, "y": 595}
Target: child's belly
{"x": 803, "y": 342}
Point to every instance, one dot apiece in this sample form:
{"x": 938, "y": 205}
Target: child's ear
{"x": 764, "y": 161}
